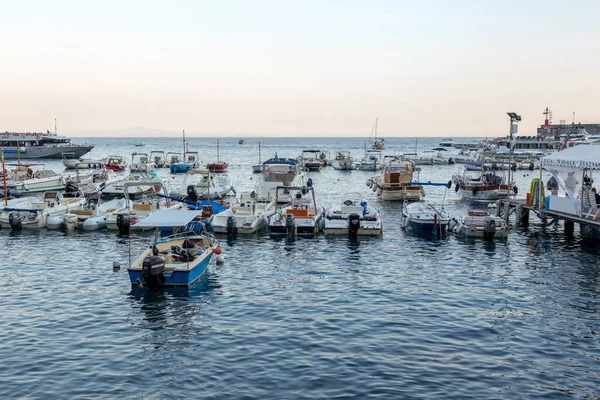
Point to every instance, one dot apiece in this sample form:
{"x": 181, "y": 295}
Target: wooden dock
{"x": 522, "y": 212}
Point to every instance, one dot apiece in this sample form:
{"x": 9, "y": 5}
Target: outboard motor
{"x": 153, "y": 271}
{"x": 191, "y": 192}
{"x": 123, "y": 223}
{"x": 71, "y": 190}
{"x": 309, "y": 182}
{"x": 353, "y": 224}
{"x": 231, "y": 225}
{"x": 15, "y": 221}
{"x": 290, "y": 224}
{"x": 489, "y": 229}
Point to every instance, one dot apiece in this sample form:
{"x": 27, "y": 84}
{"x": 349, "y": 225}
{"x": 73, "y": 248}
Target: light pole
{"x": 514, "y": 118}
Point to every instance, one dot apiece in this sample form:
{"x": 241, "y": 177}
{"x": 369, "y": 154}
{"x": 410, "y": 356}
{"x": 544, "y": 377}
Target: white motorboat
{"x": 248, "y": 215}
{"x": 482, "y": 185}
{"x": 394, "y": 183}
{"x": 202, "y": 184}
{"x": 446, "y": 142}
{"x": 26, "y": 178}
{"x": 355, "y": 218}
{"x": 279, "y": 172}
{"x": 173, "y": 157}
{"x": 90, "y": 217}
{"x": 258, "y": 168}
{"x": 141, "y": 162}
{"x": 313, "y": 160}
{"x": 371, "y": 161}
{"x": 425, "y": 218}
{"x": 116, "y": 189}
{"x": 90, "y": 184}
{"x": 301, "y": 217}
{"x": 343, "y": 161}
{"x": 35, "y": 213}
{"x": 158, "y": 158}
{"x": 70, "y": 161}
{"x": 124, "y": 220}
{"x": 480, "y": 224}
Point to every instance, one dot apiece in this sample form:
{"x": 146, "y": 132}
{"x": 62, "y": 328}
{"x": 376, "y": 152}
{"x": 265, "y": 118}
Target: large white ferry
{"x": 39, "y": 145}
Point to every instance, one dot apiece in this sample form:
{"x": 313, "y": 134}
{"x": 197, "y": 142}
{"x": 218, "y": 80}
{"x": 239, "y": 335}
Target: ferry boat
{"x": 39, "y": 145}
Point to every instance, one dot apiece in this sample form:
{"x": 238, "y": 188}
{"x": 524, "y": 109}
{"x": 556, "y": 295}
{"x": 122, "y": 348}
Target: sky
{"x": 297, "y": 68}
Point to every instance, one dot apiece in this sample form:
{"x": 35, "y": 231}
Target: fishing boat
{"x": 313, "y": 160}
{"x": 394, "y": 183}
{"x": 134, "y": 192}
{"x": 177, "y": 260}
{"x": 483, "y": 185}
{"x": 28, "y": 178}
{"x": 69, "y": 160}
{"x": 116, "y": 163}
{"x": 39, "y": 145}
{"x": 141, "y": 162}
{"x": 343, "y": 161}
{"x": 218, "y": 166}
{"x": 425, "y": 218}
{"x": 247, "y": 215}
{"x": 280, "y": 172}
{"x": 480, "y": 224}
{"x": 186, "y": 162}
{"x": 371, "y": 160}
{"x": 158, "y": 158}
{"x": 377, "y": 143}
{"x": 201, "y": 184}
{"x": 124, "y": 220}
{"x": 355, "y": 218}
{"x": 35, "y": 213}
{"x": 302, "y": 217}
{"x": 173, "y": 157}
{"x": 258, "y": 168}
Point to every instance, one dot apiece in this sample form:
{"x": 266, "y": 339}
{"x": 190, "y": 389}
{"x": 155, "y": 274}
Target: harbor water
{"x": 397, "y": 316}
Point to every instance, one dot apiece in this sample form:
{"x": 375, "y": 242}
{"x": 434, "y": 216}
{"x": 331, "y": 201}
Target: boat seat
{"x": 352, "y": 209}
{"x": 593, "y": 211}
{"x": 296, "y": 212}
{"x": 142, "y": 207}
{"x": 82, "y": 212}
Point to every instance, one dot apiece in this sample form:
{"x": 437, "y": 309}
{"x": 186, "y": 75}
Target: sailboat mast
{"x": 259, "y": 152}
{"x": 184, "y": 149}
{"x": 4, "y": 179}
{"x": 217, "y": 150}
{"x": 55, "y": 131}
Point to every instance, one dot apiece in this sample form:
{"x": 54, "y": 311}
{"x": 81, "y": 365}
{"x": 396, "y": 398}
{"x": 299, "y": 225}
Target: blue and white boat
{"x": 425, "y": 218}
{"x": 177, "y": 260}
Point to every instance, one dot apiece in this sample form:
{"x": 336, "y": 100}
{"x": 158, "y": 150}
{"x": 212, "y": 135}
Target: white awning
{"x": 581, "y": 157}
{"x": 168, "y": 218}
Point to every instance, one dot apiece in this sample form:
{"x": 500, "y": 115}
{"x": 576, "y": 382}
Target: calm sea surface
{"x": 392, "y": 317}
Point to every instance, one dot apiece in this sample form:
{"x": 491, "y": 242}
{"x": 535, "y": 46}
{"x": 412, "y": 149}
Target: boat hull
{"x": 174, "y": 278}
{"x": 30, "y": 152}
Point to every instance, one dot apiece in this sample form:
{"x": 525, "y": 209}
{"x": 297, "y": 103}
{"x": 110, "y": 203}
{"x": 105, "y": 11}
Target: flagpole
{"x": 4, "y": 179}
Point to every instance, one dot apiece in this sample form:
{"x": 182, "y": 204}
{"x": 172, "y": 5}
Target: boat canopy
{"x": 168, "y": 218}
{"x": 275, "y": 160}
{"x": 580, "y": 157}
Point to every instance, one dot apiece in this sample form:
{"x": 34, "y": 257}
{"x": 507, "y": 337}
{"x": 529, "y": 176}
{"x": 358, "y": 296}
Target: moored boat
{"x": 247, "y": 215}
{"x": 301, "y": 217}
{"x": 483, "y": 185}
{"x": 480, "y": 224}
{"x": 116, "y": 163}
{"x": 35, "y": 213}
{"x": 280, "y": 172}
{"x": 28, "y": 178}
{"x": 425, "y": 218}
{"x": 201, "y": 184}
{"x": 355, "y": 218}
{"x": 394, "y": 182}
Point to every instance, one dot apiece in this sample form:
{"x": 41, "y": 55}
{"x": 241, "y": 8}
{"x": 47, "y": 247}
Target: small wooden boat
{"x": 177, "y": 260}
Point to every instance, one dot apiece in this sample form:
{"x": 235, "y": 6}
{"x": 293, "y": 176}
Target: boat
{"x": 247, "y": 215}
{"x": 139, "y": 144}
{"x": 90, "y": 216}
{"x": 378, "y": 143}
{"x": 158, "y": 158}
{"x": 218, "y": 166}
{"x": 425, "y": 218}
{"x": 371, "y": 161}
{"x": 189, "y": 160}
{"x": 279, "y": 172}
{"x": 302, "y": 217}
{"x": 241, "y": 141}
{"x": 480, "y": 224}
{"x": 141, "y": 162}
{"x": 28, "y": 178}
{"x": 173, "y": 157}
{"x": 176, "y": 260}
{"x": 116, "y": 163}
{"x": 343, "y": 161}
{"x": 91, "y": 183}
{"x": 313, "y": 160}
{"x": 258, "y": 168}
{"x": 40, "y": 145}
{"x": 34, "y": 214}
{"x": 446, "y": 142}
{"x": 355, "y": 218}
{"x": 394, "y": 183}
{"x": 70, "y": 162}
{"x": 201, "y": 184}
{"x": 124, "y": 220}
{"x": 483, "y": 185}
{"x": 134, "y": 192}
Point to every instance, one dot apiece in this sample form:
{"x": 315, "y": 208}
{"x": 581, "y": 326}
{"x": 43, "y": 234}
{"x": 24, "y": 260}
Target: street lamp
{"x": 514, "y": 118}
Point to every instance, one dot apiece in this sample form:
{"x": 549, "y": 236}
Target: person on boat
{"x": 596, "y": 195}
{"x": 552, "y": 185}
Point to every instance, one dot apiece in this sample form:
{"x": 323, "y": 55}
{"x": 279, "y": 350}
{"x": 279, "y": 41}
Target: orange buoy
{"x": 218, "y": 250}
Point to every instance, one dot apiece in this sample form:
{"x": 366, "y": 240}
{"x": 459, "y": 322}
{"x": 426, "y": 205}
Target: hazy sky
{"x": 439, "y": 68}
